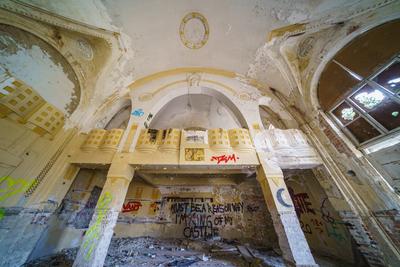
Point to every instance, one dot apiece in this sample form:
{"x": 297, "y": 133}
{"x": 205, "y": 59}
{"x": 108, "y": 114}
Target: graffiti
{"x": 280, "y": 197}
{"x": 224, "y": 158}
{"x": 301, "y": 203}
{"x": 2, "y": 213}
{"x": 305, "y": 227}
{"x": 194, "y": 154}
{"x": 333, "y": 231}
{"x": 188, "y": 199}
{"x": 190, "y": 207}
{"x": 138, "y": 112}
{"x": 203, "y": 219}
{"x": 14, "y": 186}
{"x": 131, "y": 206}
{"x": 326, "y": 216}
{"x": 93, "y": 232}
{"x": 252, "y": 208}
{"x": 317, "y": 225}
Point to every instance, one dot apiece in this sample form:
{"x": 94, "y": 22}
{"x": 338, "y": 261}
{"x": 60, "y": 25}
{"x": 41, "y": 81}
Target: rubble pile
{"x": 147, "y": 251}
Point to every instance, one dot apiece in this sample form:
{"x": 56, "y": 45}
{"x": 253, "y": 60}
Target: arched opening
{"x": 359, "y": 87}
{"x": 359, "y": 90}
{"x": 195, "y": 111}
{"x": 196, "y": 108}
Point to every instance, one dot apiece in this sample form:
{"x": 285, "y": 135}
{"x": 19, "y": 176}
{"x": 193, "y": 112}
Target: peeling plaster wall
{"x": 39, "y": 65}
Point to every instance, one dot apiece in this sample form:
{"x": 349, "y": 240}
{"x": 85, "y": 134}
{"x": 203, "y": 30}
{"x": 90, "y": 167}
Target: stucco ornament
{"x": 194, "y": 30}
{"x": 85, "y": 48}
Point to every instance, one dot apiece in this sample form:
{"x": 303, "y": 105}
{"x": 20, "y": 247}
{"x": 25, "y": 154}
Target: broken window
{"x": 372, "y": 109}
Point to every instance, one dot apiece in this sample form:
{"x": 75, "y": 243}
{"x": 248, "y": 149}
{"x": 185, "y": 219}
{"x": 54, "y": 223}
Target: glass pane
{"x": 362, "y": 130}
{"x": 345, "y": 113}
{"x": 368, "y": 98}
{"x": 390, "y": 78}
{"x": 387, "y": 114}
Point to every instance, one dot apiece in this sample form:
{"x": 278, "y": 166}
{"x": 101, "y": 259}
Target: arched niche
{"x": 177, "y": 101}
{"x": 41, "y": 66}
{"x": 195, "y": 111}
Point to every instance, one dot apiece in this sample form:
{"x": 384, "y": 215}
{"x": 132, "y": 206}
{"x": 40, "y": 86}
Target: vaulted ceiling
{"x": 237, "y": 28}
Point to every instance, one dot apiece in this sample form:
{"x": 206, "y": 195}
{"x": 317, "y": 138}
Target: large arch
{"x": 334, "y": 50}
{"x": 180, "y": 92}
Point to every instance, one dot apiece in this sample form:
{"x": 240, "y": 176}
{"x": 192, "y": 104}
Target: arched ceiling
{"x": 237, "y": 28}
{"x": 195, "y": 111}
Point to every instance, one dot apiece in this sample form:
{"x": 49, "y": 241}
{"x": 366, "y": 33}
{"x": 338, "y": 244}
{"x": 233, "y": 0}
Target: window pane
{"x": 368, "y": 98}
{"x": 387, "y": 114}
{"x": 345, "y": 113}
{"x": 390, "y": 78}
{"x": 362, "y": 130}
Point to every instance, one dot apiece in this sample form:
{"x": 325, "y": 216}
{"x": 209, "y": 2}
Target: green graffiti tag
{"x": 93, "y": 232}
{"x": 13, "y": 187}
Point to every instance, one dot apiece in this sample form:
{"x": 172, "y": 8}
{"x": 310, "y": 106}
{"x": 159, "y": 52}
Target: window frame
{"x": 362, "y": 112}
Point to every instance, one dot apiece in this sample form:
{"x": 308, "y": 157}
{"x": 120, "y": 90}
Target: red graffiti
{"x": 131, "y": 206}
{"x": 301, "y": 205}
{"x": 224, "y": 158}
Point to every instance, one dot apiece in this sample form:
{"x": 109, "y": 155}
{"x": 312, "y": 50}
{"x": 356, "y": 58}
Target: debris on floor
{"x": 147, "y": 251}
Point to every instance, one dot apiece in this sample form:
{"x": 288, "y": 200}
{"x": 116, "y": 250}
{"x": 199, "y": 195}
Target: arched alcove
{"x": 39, "y": 65}
{"x": 195, "y": 111}
{"x": 200, "y": 102}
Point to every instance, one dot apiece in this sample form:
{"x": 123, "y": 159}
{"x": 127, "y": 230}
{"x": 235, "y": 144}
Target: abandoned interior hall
{"x": 199, "y": 133}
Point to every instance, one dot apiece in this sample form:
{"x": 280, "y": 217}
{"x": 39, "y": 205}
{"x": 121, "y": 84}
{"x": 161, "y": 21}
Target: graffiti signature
{"x": 224, "y": 158}
{"x": 138, "y": 112}
{"x": 131, "y": 206}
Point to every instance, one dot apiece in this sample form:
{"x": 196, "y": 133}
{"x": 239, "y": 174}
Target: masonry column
{"x": 94, "y": 247}
{"x": 291, "y": 238}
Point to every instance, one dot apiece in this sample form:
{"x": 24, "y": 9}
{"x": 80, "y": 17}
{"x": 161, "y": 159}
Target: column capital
{"x": 269, "y": 167}
{"x": 120, "y": 168}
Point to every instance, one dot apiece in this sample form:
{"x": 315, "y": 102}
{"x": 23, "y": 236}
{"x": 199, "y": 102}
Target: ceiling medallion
{"x": 194, "y": 30}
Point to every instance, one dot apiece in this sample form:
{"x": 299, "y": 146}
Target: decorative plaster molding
{"x": 288, "y": 148}
{"x": 45, "y": 16}
{"x": 188, "y": 31}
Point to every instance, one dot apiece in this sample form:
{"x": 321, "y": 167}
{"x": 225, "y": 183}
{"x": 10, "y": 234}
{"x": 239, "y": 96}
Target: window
{"x": 372, "y": 109}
